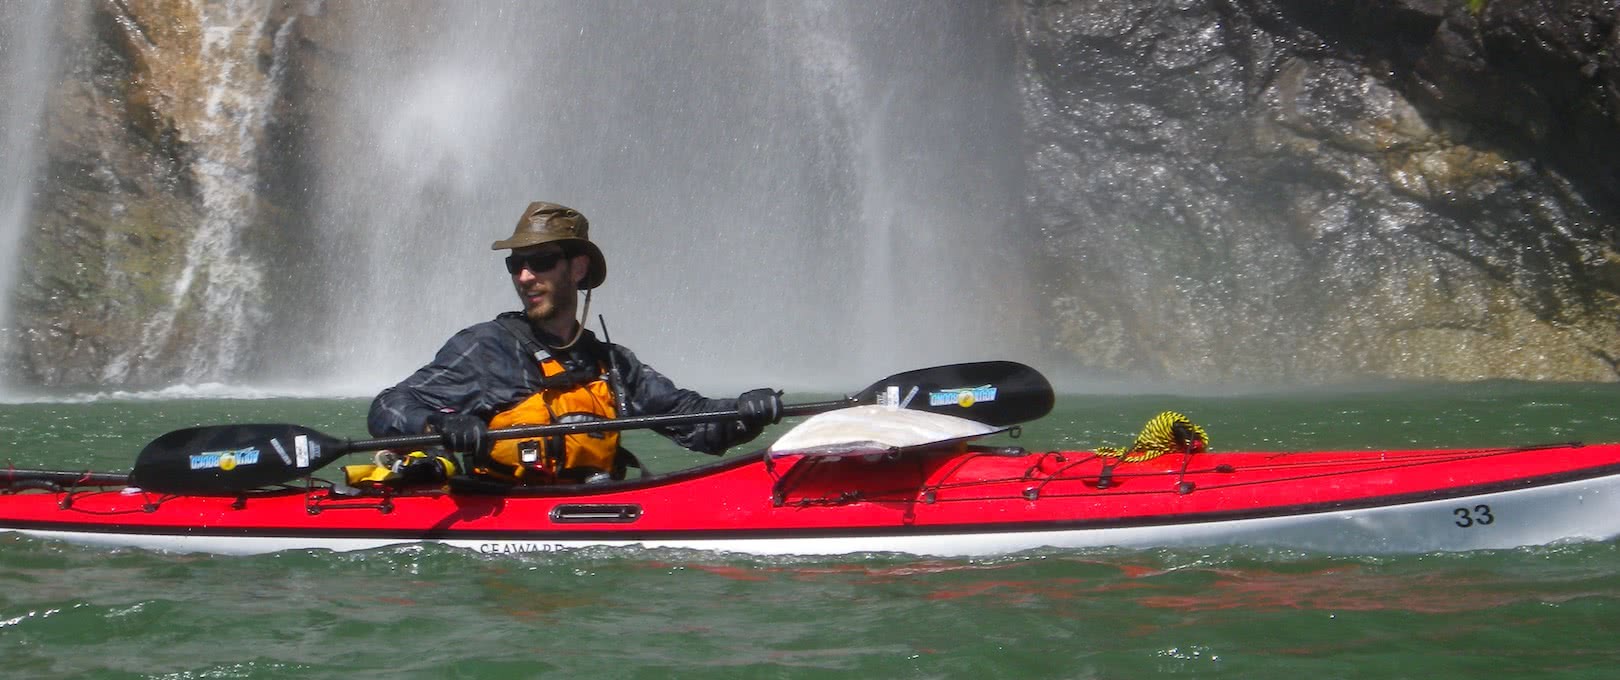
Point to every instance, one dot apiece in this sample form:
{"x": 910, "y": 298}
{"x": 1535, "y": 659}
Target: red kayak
{"x": 946, "y": 501}
{"x": 892, "y": 469}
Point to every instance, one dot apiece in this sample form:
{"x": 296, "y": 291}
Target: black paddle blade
{"x": 991, "y": 392}
{"x": 224, "y": 459}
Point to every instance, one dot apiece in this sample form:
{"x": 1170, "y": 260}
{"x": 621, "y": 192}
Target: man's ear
{"x": 581, "y": 264}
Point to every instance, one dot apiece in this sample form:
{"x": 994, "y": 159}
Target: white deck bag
{"x": 862, "y": 430}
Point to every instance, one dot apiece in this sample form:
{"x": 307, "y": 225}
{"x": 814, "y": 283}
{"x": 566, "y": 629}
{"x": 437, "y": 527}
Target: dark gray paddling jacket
{"x": 485, "y": 369}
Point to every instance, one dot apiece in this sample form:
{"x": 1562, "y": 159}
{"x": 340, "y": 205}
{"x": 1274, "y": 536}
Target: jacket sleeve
{"x": 648, "y": 393}
{"x": 478, "y": 370}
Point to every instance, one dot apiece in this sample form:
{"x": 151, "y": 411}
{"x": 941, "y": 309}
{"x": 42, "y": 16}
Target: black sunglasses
{"x": 538, "y": 263}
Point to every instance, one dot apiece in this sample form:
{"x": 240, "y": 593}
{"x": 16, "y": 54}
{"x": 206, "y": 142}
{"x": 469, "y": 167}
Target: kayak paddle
{"x": 228, "y": 459}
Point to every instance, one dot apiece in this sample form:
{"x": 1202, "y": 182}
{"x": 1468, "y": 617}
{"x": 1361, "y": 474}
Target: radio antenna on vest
{"x": 615, "y": 379}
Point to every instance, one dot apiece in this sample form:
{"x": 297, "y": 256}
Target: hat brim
{"x": 593, "y": 277}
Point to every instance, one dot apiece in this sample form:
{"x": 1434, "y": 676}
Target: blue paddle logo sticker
{"x": 964, "y": 397}
{"x": 224, "y": 460}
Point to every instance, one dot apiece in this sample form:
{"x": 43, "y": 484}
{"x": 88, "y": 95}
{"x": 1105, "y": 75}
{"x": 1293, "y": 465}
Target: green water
{"x": 427, "y": 611}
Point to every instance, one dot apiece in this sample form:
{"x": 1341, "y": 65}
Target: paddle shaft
{"x": 587, "y": 426}
{"x": 63, "y": 477}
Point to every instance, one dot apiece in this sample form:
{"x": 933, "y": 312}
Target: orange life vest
{"x": 565, "y": 398}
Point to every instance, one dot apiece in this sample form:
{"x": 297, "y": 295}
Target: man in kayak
{"x": 541, "y": 366}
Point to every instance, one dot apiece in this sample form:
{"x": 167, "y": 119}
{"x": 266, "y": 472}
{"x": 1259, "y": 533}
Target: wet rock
{"x": 113, "y": 210}
{"x": 126, "y": 278}
{"x": 1290, "y": 190}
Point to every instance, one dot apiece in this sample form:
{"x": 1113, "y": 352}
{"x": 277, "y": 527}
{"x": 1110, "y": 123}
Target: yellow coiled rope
{"x": 1168, "y": 432}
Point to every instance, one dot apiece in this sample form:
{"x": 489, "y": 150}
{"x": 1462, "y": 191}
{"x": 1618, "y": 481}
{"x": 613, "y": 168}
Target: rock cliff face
{"x": 114, "y": 205}
{"x": 1255, "y": 190}
{"x": 141, "y": 263}
{"x": 1322, "y": 189}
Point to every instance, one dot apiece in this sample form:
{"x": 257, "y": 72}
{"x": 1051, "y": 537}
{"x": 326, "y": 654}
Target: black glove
{"x": 461, "y": 432}
{"x": 759, "y": 408}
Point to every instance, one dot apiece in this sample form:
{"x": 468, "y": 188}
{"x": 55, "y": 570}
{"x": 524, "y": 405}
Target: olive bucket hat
{"x": 544, "y": 222}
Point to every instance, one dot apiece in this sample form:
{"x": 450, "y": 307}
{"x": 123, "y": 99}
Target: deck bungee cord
{"x": 1107, "y": 480}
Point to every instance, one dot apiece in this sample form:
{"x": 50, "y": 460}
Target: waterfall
{"x": 26, "y": 60}
{"x": 805, "y": 194}
{"x": 925, "y": 98}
